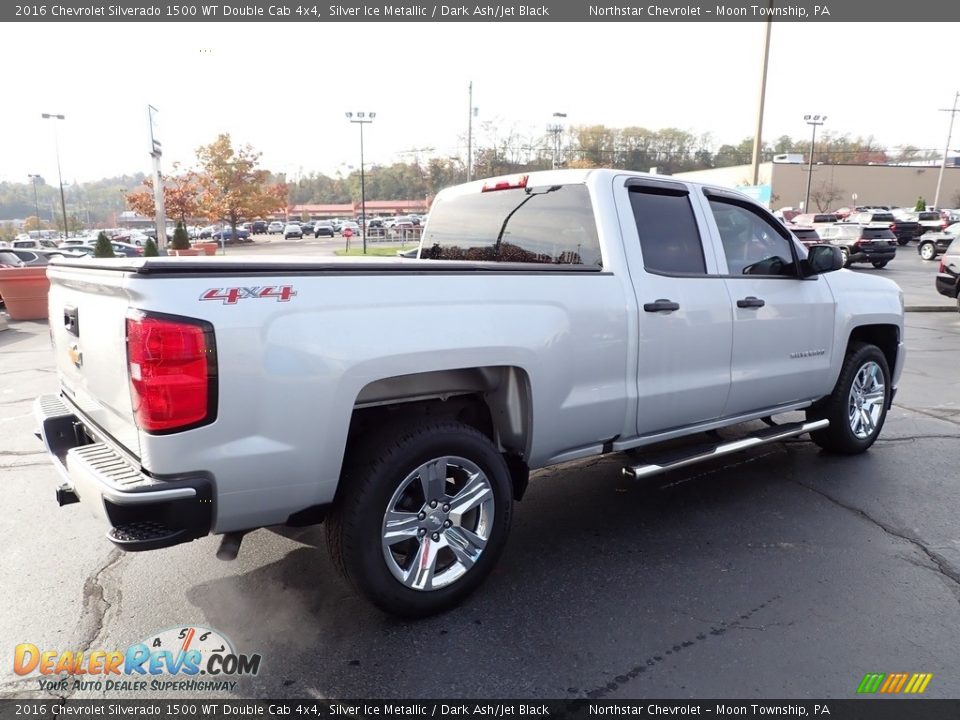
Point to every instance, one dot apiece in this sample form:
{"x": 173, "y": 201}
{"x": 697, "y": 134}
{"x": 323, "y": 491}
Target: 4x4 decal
{"x": 230, "y": 296}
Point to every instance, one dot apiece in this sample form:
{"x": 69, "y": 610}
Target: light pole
{"x": 943, "y": 163}
{"x": 362, "y": 119}
{"x": 555, "y": 129}
{"x": 56, "y": 142}
{"x": 36, "y": 198}
{"x": 813, "y": 121}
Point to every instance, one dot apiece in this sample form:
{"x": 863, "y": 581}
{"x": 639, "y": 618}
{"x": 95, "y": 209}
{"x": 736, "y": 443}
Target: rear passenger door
{"x": 782, "y": 323}
{"x": 684, "y": 318}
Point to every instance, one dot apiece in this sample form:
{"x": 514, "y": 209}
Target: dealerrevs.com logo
{"x": 188, "y": 658}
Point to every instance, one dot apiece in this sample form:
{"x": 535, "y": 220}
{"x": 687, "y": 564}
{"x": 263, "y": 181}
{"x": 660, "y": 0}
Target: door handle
{"x": 750, "y": 302}
{"x": 661, "y": 305}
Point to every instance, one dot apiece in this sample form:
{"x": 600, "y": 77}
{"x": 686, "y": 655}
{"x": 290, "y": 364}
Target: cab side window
{"x": 669, "y": 238}
{"x": 751, "y": 244}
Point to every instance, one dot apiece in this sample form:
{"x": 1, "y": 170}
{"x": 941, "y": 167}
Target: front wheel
{"x": 880, "y": 264}
{"x": 421, "y": 519}
{"x": 927, "y": 250}
{"x": 857, "y": 407}
{"x": 901, "y": 243}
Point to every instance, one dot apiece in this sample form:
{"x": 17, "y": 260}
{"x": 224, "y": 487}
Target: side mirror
{"x": 822, "y": 259}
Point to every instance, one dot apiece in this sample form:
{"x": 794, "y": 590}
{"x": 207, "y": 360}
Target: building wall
{"x": 895, "y": 185}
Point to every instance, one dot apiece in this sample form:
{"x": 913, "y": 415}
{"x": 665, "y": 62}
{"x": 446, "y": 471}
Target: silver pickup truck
{"x": 549, "y": 317}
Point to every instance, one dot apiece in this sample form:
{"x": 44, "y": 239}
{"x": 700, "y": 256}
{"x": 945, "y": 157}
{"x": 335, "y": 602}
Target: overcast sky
{"x": 284, "y": 87}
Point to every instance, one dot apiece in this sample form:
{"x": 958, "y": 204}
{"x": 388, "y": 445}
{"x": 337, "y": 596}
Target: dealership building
{"x": 784, "y": 184}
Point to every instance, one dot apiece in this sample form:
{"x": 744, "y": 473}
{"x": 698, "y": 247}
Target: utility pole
{"x": 757, "y": 139}
{"x": 556, "y": 129}
{"x": 56, "y": 140}
{"x": 156, "y": 151}
{"x": 943, "y": 163}
{"x": 470, "y": 133}
{"x": 814, "y": 121}
{"x": 36, "y": 198}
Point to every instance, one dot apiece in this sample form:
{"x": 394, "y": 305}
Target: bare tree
{"x": 826, "y": 194}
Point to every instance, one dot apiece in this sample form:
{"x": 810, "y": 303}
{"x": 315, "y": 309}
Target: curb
{"x": 930, "y": 308}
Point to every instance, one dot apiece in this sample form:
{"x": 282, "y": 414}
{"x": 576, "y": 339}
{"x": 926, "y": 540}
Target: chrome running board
{"x": 690, "y": 456}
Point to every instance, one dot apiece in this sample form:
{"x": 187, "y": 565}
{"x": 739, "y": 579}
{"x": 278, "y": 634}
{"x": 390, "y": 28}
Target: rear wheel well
{"x": 885, "y": 337}
{"x": 369, "y": 426}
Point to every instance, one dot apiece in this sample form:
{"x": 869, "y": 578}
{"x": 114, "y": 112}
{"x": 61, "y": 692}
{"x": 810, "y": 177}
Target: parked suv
{"x": 934, "y": 243}
{"x": 258, "y": 227}
{"x": 806, "y": 235}
{"x": 948, "y": 276}
{"x": 905, "y": 230}
{"x": 874, "y": 244}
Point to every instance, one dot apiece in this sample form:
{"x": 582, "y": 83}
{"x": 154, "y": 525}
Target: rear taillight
{"x": 943, "y": 267}
{"x": 172, "y": 367}
{"x": 893, "y": 227}
{"x": 512, "y": 183}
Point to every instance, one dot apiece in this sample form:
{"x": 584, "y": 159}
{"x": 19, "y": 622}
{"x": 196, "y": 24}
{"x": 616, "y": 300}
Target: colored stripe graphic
{"x": 870, "y": 683}
{"x": 895, "y": 683}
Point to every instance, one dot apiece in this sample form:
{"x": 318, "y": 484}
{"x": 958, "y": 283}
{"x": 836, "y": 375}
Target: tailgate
{"x": 88, "y": 309}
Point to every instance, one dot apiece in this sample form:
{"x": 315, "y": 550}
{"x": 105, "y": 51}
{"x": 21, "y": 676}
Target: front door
{"x": 782, "y": 324}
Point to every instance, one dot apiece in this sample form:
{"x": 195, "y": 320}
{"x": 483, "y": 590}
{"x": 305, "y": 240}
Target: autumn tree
{"x": 232, "y": 186}
{"x": 181, "y": 196}
{"x": 32, "y": 223}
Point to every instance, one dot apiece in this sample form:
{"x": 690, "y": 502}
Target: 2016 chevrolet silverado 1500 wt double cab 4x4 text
{"x": 550, "y": 317}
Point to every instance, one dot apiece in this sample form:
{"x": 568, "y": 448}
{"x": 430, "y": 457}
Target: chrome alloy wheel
{"x": 865, "y": 402}
{"x": 437, "y": 523}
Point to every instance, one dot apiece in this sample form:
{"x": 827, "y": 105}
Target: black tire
{"x": 839, "y": 437}
{"x": 930, "y": 249}
{"x": 901, "y": 243}
{"x": 881, "y": 264}
{"x": 845, "y": 255}
{"x": 371, "y": 477}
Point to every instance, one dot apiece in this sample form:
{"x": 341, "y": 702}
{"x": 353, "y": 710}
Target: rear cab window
{"x": 669, "y": 237}
{"x": 540, "y": 225}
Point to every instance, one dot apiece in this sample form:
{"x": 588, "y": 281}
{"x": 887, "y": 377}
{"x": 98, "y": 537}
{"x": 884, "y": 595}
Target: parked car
{"x": 9, "y": 259}
{"x": 119, "y": 248}
{"x": 275, "y": 228}
{"x": 948, "y": 274}
{"x": 815, "y": 219}
{"x": 258, "y": 227}
{"x": 351, "y": 226}
{"x": 806, "y": 235}
{"x": 292, "y": 230}
{"x": 307, "y": 227}
{"x": 323, "y": 228}
{"x": 229, "y": 235}
{"x": 874, "y": 244}
{"x": 930, "y": 221}
{"x": 905, "y": 230}
{"x": 33, "y": 244}
{"x": 934, "y": 243}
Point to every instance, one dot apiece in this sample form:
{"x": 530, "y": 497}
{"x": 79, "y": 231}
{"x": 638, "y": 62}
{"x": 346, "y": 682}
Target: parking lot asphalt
{"x": 782, "y": 572}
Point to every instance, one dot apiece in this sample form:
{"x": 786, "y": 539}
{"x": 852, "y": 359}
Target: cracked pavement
{"x": 781, "y": 572}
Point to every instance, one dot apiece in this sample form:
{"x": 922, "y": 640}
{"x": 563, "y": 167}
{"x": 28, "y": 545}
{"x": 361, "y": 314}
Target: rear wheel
{"x": 857, "y": 407}
{"x": 927, "y": 250}
{"x": 421, "y": 518}
{"x": 880, "y": 264}
{"x": 902, "y": 242}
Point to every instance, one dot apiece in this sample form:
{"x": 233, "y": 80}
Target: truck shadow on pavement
{"x": 602, "y": 579}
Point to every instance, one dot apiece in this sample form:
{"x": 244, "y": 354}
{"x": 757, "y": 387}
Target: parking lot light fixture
{"x": 361, "y": 119}
{"x": 813, "y": 121}
{"x": 56, "y": 142}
